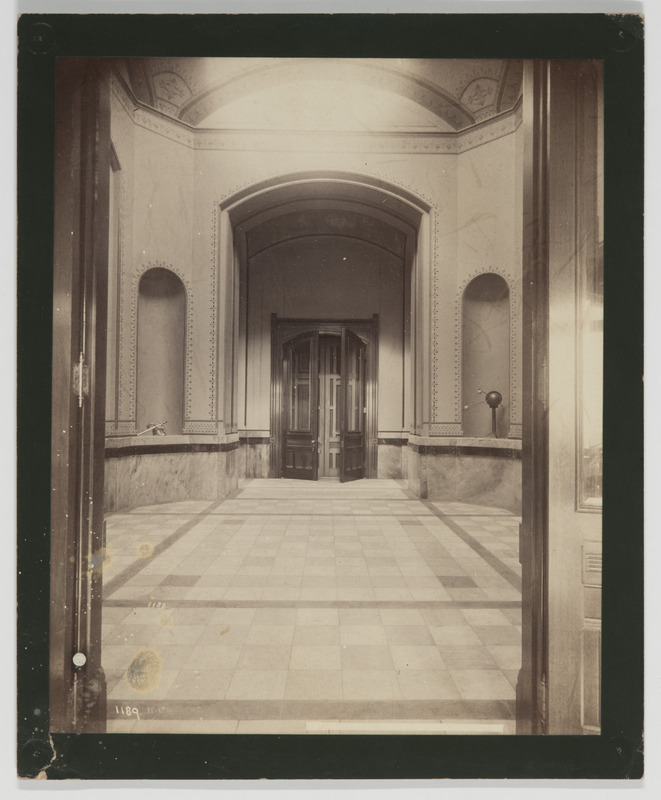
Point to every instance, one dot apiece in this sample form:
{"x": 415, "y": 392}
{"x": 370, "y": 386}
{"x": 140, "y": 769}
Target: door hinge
{"x": 81, "y": 379}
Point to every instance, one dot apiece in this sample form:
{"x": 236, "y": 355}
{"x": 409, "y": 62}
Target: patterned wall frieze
{"x": 133, "y": 336}
{"x": 446, "y": 429}
{"x": 123, "y": 427}
{"x": 200, "y": 426}
{"x": 496, "y": 128}
{"x": 412, "y": 143}
{"x": 320, "y": 141}
{"x": 514, "y": 343}
{"x": 158, "y": 123}
{"x": 516, "y": 430}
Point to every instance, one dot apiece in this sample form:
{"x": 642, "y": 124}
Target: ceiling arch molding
{"x": 391, "y": 79}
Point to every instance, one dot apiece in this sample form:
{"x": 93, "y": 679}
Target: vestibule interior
{"x": 391, "y": 211}
{"x": 405, "y": 218}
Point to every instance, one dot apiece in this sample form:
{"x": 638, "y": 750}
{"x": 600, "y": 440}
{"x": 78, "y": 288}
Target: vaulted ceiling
{"x": 393, "y": 95}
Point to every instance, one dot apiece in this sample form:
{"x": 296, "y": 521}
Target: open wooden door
{"x": 558, "y": 690}
{"x": 300, "y": 401}
{"x": 352, "y": 412}
{"x": 82, "y": 166}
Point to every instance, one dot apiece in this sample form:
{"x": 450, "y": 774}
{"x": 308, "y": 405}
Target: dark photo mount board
{"x": 615, "y": 39}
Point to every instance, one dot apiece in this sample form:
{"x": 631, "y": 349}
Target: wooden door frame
{"x": 531, "y": 690}
{"x": 82, "y": 166}
{"x": 285, "y": 328}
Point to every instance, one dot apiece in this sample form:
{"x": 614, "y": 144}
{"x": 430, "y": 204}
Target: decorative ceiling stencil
{"x": 372, "y": 95}
{"x": 480, "y": 96}
{"x": 171, "y": 89}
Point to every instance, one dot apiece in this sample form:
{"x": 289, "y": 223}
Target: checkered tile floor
{"x": 296, "y": 607}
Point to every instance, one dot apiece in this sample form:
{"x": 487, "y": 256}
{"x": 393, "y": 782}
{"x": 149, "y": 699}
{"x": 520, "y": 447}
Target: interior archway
{"x": 326, "y": 247}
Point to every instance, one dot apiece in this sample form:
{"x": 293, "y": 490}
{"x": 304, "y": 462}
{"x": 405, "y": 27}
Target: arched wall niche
{"x": 161, "y": 350}
{"x": 485, "y": 353}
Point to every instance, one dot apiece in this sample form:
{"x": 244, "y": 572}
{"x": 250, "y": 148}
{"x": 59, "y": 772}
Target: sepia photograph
{"x": 326, "y": 424}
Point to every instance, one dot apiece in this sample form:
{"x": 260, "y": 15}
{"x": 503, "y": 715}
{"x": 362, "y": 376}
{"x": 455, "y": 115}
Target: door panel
{"x": 352, "y": 418}
{"x": 301, "y": 366}
{"x": 329, "y": 406}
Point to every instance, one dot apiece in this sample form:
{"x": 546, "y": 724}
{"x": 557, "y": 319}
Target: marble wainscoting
{"x": 165, "y": 469}
{"x": 254, "y": 452}
{"x": 481, "y": 471}
{"x": 390, "y": 457}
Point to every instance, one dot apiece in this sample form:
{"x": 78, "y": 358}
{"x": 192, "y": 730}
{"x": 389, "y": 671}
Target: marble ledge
{"x": 122, "y": 442}
{"x": 465, "y": 442}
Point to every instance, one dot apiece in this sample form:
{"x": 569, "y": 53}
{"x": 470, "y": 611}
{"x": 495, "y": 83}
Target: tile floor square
{"x": 362, "y": 634}
{"x": 420, "y": 657}
{"x": 257, "y": 685}
{"x": 263, "y": 656}
{"x": 191, "y": 684}
{"x": 359, "y": 616}
{"x": 316, "y": 657}
{"x": 317, "y": 616}
{"x": 368, "y": 657}
{"x": 417, "y": 684}
{"x": 309, "y": 684}
{"x": 366, "y": 684}
{"x": 468, "y": 658}
{"x": 454, "y": 636}
{"x": 316, "y": 635}
{"x": 408, "y": 635}
{"x": 213, "y": 657}
{"x": 270, "y": 634}
{"x": 275, "y": 616}
{"x": 228, "y": 635}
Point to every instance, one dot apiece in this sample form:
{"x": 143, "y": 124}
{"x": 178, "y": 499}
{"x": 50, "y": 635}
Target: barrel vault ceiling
{"x": 374, "y": 95}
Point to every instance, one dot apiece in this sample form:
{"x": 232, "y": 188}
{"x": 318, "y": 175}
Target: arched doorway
{"x": 324, "y": 250}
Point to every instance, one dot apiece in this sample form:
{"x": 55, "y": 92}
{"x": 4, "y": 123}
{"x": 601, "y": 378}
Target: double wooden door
{"x": 324, "y": 406}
